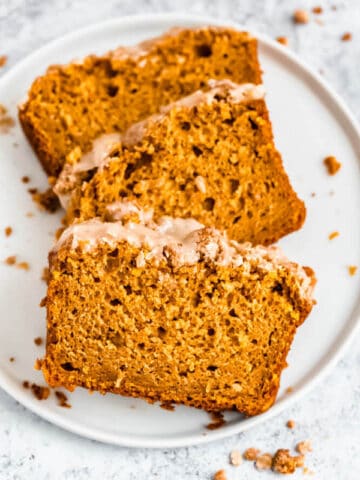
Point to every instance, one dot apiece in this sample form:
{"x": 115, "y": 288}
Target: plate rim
{"x": 332, "y": 356}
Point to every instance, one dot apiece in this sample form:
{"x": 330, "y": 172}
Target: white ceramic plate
{"x": 310, "y": 122}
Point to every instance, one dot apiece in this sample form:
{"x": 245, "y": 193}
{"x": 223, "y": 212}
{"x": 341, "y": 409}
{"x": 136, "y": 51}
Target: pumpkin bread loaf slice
{"x": 209, "y": 156}
{"x": 73, "y": 104}
{"x": 171, "y": 311}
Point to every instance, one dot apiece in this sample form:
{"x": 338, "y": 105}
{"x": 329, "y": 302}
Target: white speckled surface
{"x": 330, "y": 416}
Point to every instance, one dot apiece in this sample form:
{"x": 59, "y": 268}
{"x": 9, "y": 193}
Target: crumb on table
{"x": 346, "y": 37}
{"x": 3, "y": 60}
{"x": 220, "y": 475}
{"x": 333, "y": 235}
{"x": 264, "y": 461}
{"x": 301, "y": 16}
{"x": 235, "y": 458}
{"x": 304, "y": 447}
{"x": 38, "y": 341}
{"x": 352, "y": 270}
{"x": 251, "y": 454}
{"x": 283, "y": 40}
{"x": 8, "y": 231}
{"x": 332, "y": 164}
{"x": 285, "y": 463}
{"x": 290, "y": 424}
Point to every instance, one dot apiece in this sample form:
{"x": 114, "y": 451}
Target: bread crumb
{"x": 220, "y": 475}
{"x": 26, "y": 384}
{"x": 332, "y": 164}
{"x": 42, "y": 302}
{"x": 23, "y": 266}
{"x": 235, "y": 458}
{"x": 38, "y": 364}
{"x": 333, "y": 235}
{"x": 290, "y": 424}
{"x": 8, "y": 231}
{"x": 283, "y": 40}
{"x": 10, "y": 260}
{"x": 289, "y": 389}
{"x": 45, "y": 275}
{"x": 352, "y": 270}
{"x": 346, "y": 37}
{"x": 25, "y": 179}
{"x": 29, "y": 214}
{"x": 313, "y": 194}
{"x": 40, "y": 392}
{"x": 6, "y": 122}
{"x": 301, "y": 16}
{"x": 32, "y": 190}
{"x": 3, "y": 60}
{"x": 62, "y": 399}
{"x": 46, "y": 200}
{"x": 12, "y": 359}
{"x": 264, "y": 461}
{"x": 304, "y": 447}
{"x": 251, "y": 454}
{"x": 307, "y": 471}
{"x": 38, "y": 341}
{"x": 217, "y": 420}
{"x": 167, "y": 406}
{"x": 317, "y": 10}
{"x": 285, "y": 463}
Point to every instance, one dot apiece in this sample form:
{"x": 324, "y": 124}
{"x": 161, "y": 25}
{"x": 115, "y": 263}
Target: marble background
{"x": 330, "y": 416}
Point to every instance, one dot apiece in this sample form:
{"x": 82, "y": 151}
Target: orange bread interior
{"x": 171, "y": 311}
{"x": 71, "y": 105}
{"x": 210, "y": 156}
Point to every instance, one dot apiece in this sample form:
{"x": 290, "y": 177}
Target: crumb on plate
{"x": 3, "y": 60}
{"x": 6, "y": 122}
{"x": 40, "y": 392}
{"x": 167, "y": 406}
{"x": 217, "y": 421}
{"x": 346, "y": 37}
{"x": 12, "y": 359}
{"x": 352, "y": 270}
{"x": 38, "y": 341}
{"x": 10, "y": 260}
{"x": 333, "y": 235}
{"x": 23, "y": 266}
{"x": 62, "y": 399}
{"x": 332, "y": 164}
{"x": 317, "y": 10}
{"x": 47, "y": 200}
{"x": 25, "y": 179}
{"x": 301, "y": 16}
{"x": 8, "y": 231}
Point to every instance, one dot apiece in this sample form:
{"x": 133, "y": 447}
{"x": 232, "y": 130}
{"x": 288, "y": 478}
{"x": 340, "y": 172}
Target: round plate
{"x": 310, "y": 122}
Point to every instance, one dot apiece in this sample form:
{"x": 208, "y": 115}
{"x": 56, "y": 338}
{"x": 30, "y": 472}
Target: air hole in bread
{"x": 209, "y": 204}
{"x": 197, "y": 150}
{"x": 112, "y": 90}
{"x": 204, "y": 50}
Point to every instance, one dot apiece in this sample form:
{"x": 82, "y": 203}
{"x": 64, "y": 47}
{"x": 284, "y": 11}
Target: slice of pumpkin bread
{"x": 73, "y": 104}
{"x": 171, "y": 311}
{"x": 209, "y": 156}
